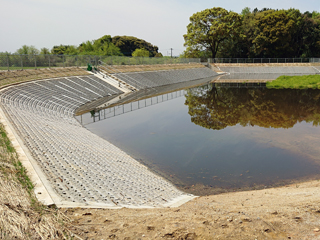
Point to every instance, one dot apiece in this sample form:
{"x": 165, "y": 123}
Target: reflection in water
{"x": 218, "y": 108}
{"x": 248, "y": 137}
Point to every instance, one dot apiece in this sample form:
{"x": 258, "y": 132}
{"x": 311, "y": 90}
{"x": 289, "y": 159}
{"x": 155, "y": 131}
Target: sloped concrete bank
{"x": 78, "y": 168}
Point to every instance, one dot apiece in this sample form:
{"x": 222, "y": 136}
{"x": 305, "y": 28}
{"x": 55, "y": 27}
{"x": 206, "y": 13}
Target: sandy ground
{"x": 289, "y": 212}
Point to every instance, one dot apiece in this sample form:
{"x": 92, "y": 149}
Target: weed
{"x": 296, "y": 82}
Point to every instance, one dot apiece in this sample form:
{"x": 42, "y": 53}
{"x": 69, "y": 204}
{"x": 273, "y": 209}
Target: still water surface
{"x": 224, "y": 137}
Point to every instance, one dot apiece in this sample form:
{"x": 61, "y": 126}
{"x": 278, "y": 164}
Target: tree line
{"x": 266, "y": 33}
{"x": 106, "y": 46}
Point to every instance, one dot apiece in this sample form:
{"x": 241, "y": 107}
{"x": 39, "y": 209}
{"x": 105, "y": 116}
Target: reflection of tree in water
{"x": 217, "y": 108}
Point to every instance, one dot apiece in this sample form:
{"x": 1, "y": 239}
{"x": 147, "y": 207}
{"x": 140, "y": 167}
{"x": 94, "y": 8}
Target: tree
{"x": 316, "y": 16}
{"x": 28, "y": 50}
{"x": 309, "y": 37}
{"x": 128, "y": 45}
{"x": 158, "y": 55}
{"x": 246, "y": 11}
{"x": 102, "y": 46}
{"x": 209, "y": 28}
{"x": 273, "y": 34}
{"x": 140, "y": 53}
{"x": 60, "y": 50}
{"x": 44, "y": 51}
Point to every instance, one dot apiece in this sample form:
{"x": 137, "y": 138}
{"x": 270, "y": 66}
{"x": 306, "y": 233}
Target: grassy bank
{"x": 19, "y": 76}
{"x": 21, "y": 215}
{"x": 296, "y": 82}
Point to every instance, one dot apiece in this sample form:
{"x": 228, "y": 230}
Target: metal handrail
{"x": 126, "y": 76}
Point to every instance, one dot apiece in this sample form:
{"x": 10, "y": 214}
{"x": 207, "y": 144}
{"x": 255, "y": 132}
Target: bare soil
{"x": 289, "y": 212}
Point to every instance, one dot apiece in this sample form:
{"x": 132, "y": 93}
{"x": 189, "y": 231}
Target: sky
{"x": 46, "y": 23}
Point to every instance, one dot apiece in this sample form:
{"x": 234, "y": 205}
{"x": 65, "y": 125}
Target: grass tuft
{"x": 296, "y": 82}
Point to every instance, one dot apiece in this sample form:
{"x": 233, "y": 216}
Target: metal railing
{"x": 99, "y": 115}
{"x": 18, "y": 61}
{"x": 263, "y": 60}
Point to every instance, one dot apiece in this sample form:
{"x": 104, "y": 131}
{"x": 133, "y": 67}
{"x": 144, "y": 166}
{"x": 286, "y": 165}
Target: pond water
{"x": 214, "y": 138}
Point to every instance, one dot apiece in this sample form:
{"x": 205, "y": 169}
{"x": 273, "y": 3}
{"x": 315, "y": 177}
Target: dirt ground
{"x": 289, "y": 212}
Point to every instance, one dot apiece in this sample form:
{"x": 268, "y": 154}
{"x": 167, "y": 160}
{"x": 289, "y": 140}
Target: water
{"x": 224, "y": 138}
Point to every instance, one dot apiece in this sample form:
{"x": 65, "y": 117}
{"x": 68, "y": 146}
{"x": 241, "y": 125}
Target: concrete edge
{"x": 24, "y": 157}
{"x": 177, "y": 202}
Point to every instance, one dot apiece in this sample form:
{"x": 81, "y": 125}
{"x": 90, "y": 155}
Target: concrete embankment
{"x": 77, "y": 167}
{"x": 262, "y": 72}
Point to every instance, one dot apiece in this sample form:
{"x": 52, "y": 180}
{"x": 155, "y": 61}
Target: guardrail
{"x": 263, "y": 60}
{"x": 18, "y": 61}
{"x": 99, "y": 115}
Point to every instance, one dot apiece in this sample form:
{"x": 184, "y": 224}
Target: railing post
{"x": 35, "y": 61}
{"x": 63, "y": 60}
{"x": 49, "y": 61}
{"x": 8, "y": 62}
{"x": 21, "y": 62}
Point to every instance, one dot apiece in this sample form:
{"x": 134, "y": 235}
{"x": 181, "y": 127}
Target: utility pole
{"x": 171, "y": 51}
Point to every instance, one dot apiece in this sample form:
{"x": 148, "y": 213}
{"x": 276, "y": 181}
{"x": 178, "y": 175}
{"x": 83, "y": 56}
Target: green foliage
{"x": 246, "y": 11}
{"x": 296, "y": 82}
{"x": 273, "y": 34}
{"x": 104, "y": 46}
{"x": 128, "y": 45}
{"x": 28, "y": 50}
{"x": 12, "y": 156}
{"x": 140, "y": 53}
{"x": 158, "y": 55}
{"x": 262, "y": 33}
{"x": 59, "y": 50}
{"x": 71, "y": 50}
{"x": 44, "y": 51}
{"x": 209, "y": 28}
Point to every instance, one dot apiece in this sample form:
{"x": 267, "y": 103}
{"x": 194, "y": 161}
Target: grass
{"x": 19, "y": 68}
{"x": 296, "y": 82}
{"x": 18, "y": 76}
{"x": 22, "y": 216}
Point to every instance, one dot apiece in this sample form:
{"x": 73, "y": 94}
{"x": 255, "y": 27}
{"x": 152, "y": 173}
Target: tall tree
{"x": 44, "y": 51}
{"x": 128, "y": 45}
{"x": 60, "y": 50}
{"x": 140, "y": 52}
{"x": 28, "y": 50}
{"x": 209, "y": 28}
{"x": 274, "y": 34}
